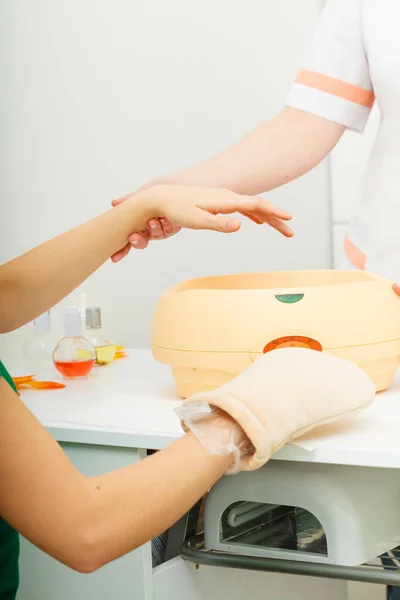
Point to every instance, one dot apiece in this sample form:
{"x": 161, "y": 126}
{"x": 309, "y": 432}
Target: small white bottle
{"x": 38, "y": 349}
{"x": 104, "y": 347}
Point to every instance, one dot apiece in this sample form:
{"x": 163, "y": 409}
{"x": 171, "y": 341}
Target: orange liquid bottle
{"x": 75, "y": 368}
{"x": 74, "y": 356}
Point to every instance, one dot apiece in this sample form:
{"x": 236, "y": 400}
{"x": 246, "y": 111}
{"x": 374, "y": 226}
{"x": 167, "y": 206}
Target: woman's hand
{"x": 198, "y": 208}
{"x": 156, "y": 229}
{"x": 217, "y": 432}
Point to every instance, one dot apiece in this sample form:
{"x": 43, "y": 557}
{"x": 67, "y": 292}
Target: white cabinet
{"x": 43, "y": 578}
{"x": 180, "y": 580}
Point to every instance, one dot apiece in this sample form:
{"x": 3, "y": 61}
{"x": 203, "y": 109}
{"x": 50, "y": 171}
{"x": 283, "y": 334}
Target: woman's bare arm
{"x": 275, "y": 153}
{"x": 37, "y": 280}
{"x": 85, "y": 522}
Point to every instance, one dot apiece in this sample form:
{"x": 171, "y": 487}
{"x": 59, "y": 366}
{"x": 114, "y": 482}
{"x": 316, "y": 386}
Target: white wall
{"x": 97, "y": 97}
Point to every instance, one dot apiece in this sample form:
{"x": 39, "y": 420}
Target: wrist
{"x": 217, "y": 432}
{"x": 226, "y": 459}
{"x": 140, "y": 208}
{"x": 150, "y": 201}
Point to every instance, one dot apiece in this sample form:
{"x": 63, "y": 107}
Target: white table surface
{"x": 131, "y": 403}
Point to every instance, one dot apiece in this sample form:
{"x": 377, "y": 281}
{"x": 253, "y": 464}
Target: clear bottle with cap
{"x": 38, "y": 348}
{"x": 74, "y": 356}
{"x": 82, "y": 309}
{"x": 105, "y": 348}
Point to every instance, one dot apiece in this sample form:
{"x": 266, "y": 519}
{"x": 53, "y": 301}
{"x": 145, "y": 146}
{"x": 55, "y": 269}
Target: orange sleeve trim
{"x": 355, "y": 256}
{"x": 336, "y": 87}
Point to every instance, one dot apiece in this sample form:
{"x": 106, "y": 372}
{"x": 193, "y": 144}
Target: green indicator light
{"x": 289, "y": 298}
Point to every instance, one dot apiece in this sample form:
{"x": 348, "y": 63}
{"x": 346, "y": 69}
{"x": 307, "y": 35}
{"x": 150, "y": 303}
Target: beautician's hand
{"x": 201, "y": 208}
{"x": 197, "y": 208}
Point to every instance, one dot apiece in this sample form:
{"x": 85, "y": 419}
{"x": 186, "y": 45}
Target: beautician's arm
{"x": 37, "y": 280}
{"x": 86, "y": 522}
{"x": 275, "y": 153}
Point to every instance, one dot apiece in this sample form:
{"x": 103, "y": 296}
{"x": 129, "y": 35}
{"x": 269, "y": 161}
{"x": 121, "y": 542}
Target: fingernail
{"x": 152, "y": 225}
{"x": 232, "y": 225}
{"x": 134, "y": 242}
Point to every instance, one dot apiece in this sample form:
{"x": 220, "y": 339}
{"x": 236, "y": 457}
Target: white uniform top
{"x": 353, "y": 60}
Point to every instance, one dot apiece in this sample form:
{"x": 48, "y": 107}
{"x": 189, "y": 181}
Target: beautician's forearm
{"x": 37, "y": 280}
{"x": 275, "y": 153}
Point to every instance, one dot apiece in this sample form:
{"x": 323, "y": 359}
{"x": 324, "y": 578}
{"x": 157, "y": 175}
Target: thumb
{"x": 227, "y": 224}
{"x": 116, "y": 202}
{"x": 204, "y": 220}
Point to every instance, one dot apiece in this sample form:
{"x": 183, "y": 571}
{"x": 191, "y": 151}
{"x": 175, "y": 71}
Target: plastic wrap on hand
{"x": 216, "y": 431}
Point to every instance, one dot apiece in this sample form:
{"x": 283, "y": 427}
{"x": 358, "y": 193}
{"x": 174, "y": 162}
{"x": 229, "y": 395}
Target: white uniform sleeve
{"x": 335, "y": 82}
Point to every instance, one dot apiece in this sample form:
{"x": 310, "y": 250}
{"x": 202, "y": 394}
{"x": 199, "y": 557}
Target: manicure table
{"x": 311, "y": 521}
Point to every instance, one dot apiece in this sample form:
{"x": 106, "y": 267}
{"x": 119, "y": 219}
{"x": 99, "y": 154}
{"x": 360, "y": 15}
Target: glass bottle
{"x": 82, "y": 309}
{"x": 105, "y": 348}
{"x": 74, "y": 356}
{"x": 38, "y": 348}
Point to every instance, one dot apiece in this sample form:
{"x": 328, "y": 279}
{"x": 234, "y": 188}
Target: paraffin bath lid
{"x": 209, "y": 330}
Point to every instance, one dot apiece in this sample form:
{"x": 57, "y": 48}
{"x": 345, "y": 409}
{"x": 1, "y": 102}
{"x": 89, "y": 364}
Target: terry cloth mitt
{"x": 284, "y": 394}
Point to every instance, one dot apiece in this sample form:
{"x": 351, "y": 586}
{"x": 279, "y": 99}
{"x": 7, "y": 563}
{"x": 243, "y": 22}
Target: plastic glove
{"x": 217, "y": 432}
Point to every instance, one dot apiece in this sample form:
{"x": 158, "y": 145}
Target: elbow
{"x": 83, "y": 553}
{"x": 9, "y": 322}
{"x": 84, "y": 566}
{"x": 8, "y": 327}
{"x": 87, "y": 540}
{"x": 84, "y": 561}
{"x": 89, "y": 553}
{"x": 9, "y": 318}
